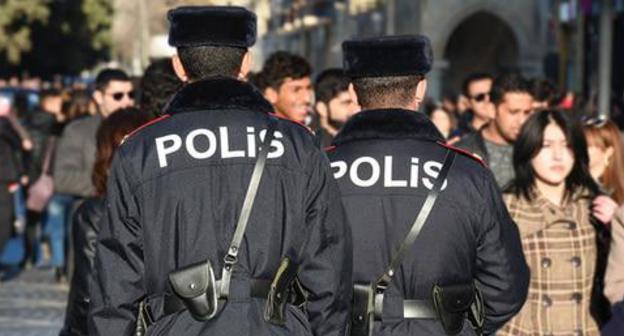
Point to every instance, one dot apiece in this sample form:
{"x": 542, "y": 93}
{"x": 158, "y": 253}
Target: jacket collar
{"x": 219, "y": 93}
{"x": 388, "y": 124}
{"x": 543, "y": 213}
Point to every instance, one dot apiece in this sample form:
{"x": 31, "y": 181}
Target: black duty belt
{"x": 418, "y": 309}
{"x": 259, "y": 288}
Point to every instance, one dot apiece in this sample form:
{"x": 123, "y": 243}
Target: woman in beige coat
{"x": 550, "y": 200}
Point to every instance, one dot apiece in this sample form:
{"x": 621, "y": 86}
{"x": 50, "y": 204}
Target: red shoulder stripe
{"x": 151, "y": 122}
{"x": 464, "y": 152}
{"x": 329, "y": 148}
{"x": 292, "y": 121}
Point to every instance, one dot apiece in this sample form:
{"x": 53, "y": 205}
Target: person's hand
{"x": 5, "y": 107}
{"x": 13, "y": 187}
{"x": 453, "y": 140}
{"x": 27, "y": 145}
{"x": 603, "y": 208}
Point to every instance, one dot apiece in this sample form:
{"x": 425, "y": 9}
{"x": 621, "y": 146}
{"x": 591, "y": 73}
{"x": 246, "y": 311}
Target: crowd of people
{"x": 559, "y": 168}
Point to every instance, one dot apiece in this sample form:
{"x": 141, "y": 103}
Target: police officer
{"x": 175, "y": 197}
{"x": 386, "y": 159}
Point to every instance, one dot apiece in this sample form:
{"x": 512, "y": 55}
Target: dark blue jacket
{"x": 385, "y": 162}
{"x": 174, "y": 195}
{"x": 615, "y": 326}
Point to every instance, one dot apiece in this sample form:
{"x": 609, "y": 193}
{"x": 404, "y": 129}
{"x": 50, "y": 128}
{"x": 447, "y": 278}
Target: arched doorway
{"x": 481, "y": 43}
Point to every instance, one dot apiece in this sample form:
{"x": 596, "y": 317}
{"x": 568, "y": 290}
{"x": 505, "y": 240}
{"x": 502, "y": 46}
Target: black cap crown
{"x": 228, "y": 26}
{"x": 387, "y": 56}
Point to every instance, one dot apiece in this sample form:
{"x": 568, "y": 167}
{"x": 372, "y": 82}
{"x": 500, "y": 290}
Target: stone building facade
{"x": 467, "y": 35}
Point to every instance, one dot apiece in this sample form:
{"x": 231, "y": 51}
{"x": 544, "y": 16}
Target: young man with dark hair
{"x": 288, "y": 87}
{"x": 387, "y": 160}
{"x": 158, "y": 85}
{"x": 77, "y": 146}
{"x": 334, "y": 105}
{"x": 545, "y": 93}
{"x": 113, "y": 91}
{"x": 177, "y": 198}
{"x": 476, "y": 88}
{"x": 513, "y": 103}
{"x": 72, "y": 170}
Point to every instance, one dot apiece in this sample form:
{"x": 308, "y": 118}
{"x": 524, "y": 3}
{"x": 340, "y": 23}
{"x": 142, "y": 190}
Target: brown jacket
{"x": 560, "y": 248}
{"x": 614, "y": 278}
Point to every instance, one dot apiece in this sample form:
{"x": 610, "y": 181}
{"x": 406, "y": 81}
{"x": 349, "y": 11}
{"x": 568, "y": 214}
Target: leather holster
{"x": 453, "y": 305}
{"x": 285, "y": 289}
{"x": 363, "y": 315}
{"x": 196, "y": 287}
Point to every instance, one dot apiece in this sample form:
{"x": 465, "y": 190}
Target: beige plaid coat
{"x": 559, "y": 246}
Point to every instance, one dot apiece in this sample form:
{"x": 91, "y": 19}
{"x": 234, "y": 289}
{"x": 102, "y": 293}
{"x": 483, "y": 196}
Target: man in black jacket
{"x": 287, "y": 85}
{"x": 493, "y": 143}
{"x": 334, "y": 105}
{"x": 175, "y": 193}
{"x": 386, "y": 159}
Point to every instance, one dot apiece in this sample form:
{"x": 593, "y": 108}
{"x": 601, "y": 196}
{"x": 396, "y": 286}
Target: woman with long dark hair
{"x": 550, "y": 200}
{"x": 110, "y": 135}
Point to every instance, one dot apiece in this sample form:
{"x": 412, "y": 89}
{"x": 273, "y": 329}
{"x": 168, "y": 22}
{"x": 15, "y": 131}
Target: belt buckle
{"x": 147, "y": 314}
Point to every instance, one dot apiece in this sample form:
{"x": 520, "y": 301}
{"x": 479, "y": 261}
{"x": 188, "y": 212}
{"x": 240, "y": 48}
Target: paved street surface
{"x": 32, "y": 305}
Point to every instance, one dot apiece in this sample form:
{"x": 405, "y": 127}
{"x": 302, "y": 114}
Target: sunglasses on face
{"x": 480, "y": 97}
{"x": 117, "y": 96}
{"x": 594, "y": 121}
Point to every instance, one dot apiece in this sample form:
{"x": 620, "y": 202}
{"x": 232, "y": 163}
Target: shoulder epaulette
{"x": 464, "y": 152}
{"x": 151, "y": 122}
{"x": 294, "y": 122}
{"x": 329, "y": 148}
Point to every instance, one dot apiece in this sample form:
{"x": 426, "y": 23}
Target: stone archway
{"x": 482, "y": 42}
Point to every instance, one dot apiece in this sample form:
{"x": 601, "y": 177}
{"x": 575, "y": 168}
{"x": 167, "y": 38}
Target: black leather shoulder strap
{"x": 232, "y": 254}
{"x": 382, "y": 283}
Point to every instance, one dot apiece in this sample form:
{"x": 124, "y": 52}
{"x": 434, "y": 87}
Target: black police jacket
{"x": 385, "y": 162}
{"x": 174, "y": 195}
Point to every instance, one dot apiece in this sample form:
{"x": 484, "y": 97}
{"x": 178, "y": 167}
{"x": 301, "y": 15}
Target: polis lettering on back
{"x": 354, "y": 172}
{"x": 172, "y": 143}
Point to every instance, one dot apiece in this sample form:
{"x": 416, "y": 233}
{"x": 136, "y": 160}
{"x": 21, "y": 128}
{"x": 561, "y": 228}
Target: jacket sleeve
{"x": 118, "y": 284}
{"x": 502, "y": 273}
{"x": 614, "y": 278}
{"x": 327, "y": 268}
{"x": 69, "y": 171}
{"x": 9, "y": 170}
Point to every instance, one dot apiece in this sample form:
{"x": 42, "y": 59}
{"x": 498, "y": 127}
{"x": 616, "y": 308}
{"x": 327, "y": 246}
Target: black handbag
{"x": 368, "y": 297}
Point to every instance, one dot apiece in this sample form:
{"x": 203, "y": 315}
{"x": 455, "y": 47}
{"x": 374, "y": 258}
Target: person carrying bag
{"x": 41, "y": 191}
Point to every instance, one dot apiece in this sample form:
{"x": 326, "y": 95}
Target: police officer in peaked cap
{"x": 433, "y": 254}
{"x": 221, "y": 219}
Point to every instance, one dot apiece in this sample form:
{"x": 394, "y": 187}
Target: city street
{"x": 32, "y": 305}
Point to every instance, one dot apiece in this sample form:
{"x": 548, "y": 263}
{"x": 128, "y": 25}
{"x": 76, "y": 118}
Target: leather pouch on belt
{"x": 451, "y": 303}
{"x": 195, "y": 285}
{"x": 282, "y": 292}
{"x": 362, "y": 317}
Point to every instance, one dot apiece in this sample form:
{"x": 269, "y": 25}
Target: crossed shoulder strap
{"x": 231, "y": 258}
{"x": 384, "y": 280}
